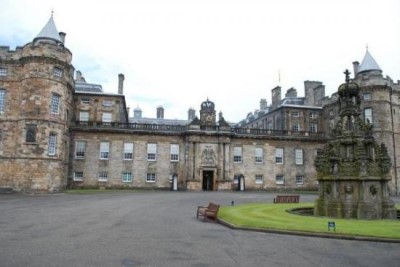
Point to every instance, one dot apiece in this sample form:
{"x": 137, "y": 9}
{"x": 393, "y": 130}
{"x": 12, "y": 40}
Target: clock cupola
{"x": 207, "y": 113}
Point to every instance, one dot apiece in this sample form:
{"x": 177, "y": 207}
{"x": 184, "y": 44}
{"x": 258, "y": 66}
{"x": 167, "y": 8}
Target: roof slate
{"x": 368, "y": 63}
{"x": 49, "y": 31}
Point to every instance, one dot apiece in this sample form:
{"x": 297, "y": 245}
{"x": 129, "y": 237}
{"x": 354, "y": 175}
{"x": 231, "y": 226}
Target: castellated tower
{"x": 36, "y": 87}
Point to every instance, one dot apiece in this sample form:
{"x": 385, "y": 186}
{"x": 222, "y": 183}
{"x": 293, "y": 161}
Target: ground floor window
{"x": 151, "y": 178}
{"x": 103, "y": 176}
{"x": 299, "y": 179}
{"x": 126, "y": 177}
{"x": 259, "y": 179}
{"x": 280, "y": 179}
{"x": 78, "y": 176}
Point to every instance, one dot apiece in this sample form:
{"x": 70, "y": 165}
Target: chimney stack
{"x": 160, "y": 112}
{"x": 191, "y": 114}
{"x": 276, "y": 97}
{"x": 121, "y": 79}
{"x": 263, "y": 104}
{"x": 356, "y": 64}
{"x": 62, "y": 36}
{"x": 78, "y": 76}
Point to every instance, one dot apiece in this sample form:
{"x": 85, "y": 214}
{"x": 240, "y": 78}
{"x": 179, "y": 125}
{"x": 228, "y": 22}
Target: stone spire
{"x": 49, "y": 32}
{"x": 368, "y": 64}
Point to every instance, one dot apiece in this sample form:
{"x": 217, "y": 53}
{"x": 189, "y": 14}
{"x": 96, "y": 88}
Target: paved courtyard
{"x": 159, "y": 229}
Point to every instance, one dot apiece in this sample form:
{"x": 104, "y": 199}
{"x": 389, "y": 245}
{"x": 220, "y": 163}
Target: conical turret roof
{"x": 368, "y": 63}
{"x": 49, "y": 32}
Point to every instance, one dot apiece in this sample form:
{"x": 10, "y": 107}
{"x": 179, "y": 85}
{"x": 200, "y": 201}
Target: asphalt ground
{"x": 160, "y": 229}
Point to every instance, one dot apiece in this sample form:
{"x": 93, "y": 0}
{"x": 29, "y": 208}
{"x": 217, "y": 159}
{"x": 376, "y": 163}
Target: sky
{"x": 176, "y": 54}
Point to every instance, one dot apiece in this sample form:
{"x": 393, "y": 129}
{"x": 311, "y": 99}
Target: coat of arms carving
{"x": 208, "y": 156}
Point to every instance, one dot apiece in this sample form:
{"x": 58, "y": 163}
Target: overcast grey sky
{"x": 178, "y": 53}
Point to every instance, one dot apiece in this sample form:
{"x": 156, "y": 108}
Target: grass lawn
{"x": 274, "y": 216}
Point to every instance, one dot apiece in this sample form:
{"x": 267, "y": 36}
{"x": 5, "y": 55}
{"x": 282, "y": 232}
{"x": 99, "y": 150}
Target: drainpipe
{"x": 394, "y": 143}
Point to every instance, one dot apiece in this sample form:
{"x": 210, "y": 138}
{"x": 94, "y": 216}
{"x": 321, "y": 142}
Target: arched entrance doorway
{"x": 208, "y": 181}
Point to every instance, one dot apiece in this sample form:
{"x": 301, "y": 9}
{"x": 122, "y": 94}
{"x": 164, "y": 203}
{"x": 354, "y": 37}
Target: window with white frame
{"x": 313, "y": 127}
{"x": 3, "y": 72}
{"x": 236, "y": 178}
{"x": 151, "y": 152}
{"x": 55, "y": 104}
{"x": 151, "y": 178}
{"x": 258, "y": 154}
{"x": 366, "y": 96}
{"x": 104, "y": 150}
{"x": 85, "y": 100}
{"x": 80, "y": 148}
{"x": 174, "y": 152}
{"x": 128, "y": 151}
{"x": 107, "y": 103}
{"x": 279, "y": 179}
{"x": 368, "y": 115}
{"x": 299, "y": 179}
{"x": 259, "y": 179}
{"x": 78, "y": 176}
{"x": 296, "y": 127}
{"x": 126, "y": 177}
{"x": 298, "y": 156}
{"x": 279, "y": 155}
{"x": 103, "y": 176}
{"x": 313, "y": 115}
{"x": 83, "y": 116}
{"x": 296, "y": 114}
{"x": 237, "y": 154}
{"x": 58, "y": 72}
{"x": 107, "y": 117}
{"x": 2, "y": 100}
{"x": 52, "y": 144}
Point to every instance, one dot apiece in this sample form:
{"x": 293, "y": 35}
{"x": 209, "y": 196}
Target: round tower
{"x": 38, "y": 103}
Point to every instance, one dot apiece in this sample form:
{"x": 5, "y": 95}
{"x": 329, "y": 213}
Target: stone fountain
{"x": 353, "y": 170}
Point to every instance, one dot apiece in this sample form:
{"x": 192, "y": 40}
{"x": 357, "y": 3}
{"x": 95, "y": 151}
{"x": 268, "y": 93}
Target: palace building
{"x": 58, "y": 131}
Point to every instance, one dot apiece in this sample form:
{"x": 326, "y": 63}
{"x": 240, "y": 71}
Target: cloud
{"x": 178, "y": 53}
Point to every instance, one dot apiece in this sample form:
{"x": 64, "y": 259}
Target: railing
{"x": 184, "y": 128}
{"x": 134, "y": 126}
{"x": 269, "y": 132}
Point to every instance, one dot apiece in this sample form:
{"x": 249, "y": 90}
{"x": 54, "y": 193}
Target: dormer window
{"x": 3, "y": 72}
{"x": 58, "y": 72}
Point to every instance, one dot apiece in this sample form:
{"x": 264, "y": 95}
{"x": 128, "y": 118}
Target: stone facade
{"x": 380, "y": 104}
{"x": 36, "y": 86}
{"x": 201, "y": 153}
{"x": 58, "y": 132}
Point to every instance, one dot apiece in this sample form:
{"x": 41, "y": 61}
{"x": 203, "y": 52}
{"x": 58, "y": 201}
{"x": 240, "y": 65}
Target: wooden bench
{"x": 287, "y": 199}
{"x": 208, "y": 213}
